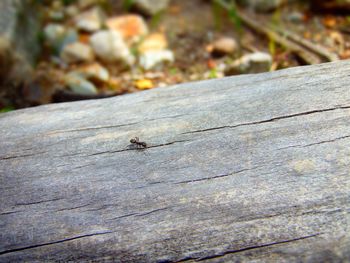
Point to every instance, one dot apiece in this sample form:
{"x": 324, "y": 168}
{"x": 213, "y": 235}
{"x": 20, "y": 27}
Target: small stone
{"x": 86, "y": 3}
{"x": 110, "y": 47}
{"x": 57, "y": 36}
{"x": 71, "y": 36}
{"x": 71, "y": 11}
{"x": 131, "y": 27}
{"x": 156, "y": 41}
{"x": 295, "y": 17}
{"x": 56, "y": 4}
{"x": 90, "y": 21}
{"x": 54, "y": 33}
{"x": 77, "y": 52}
{"x": 94, "y": 72}
{"x": 251, "y": 63}
{"x": 224, "y": 46}
{"x": 150, "y": 7}
{"x": 262, "y": 6}
{"x": 80, "y": 85}
{"x": 56, "y": 15}
{"x": 151, "y": 58}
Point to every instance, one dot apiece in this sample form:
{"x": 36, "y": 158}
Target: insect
{"x": 135, "y": 141}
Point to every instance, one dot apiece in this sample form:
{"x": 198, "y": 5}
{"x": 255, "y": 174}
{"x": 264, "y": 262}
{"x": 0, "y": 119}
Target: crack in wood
{"x": 72, "y": 208}
{"x": 20, "y": 156}
{"x": 315, "y": 143}
{"x": 268, "y": 120}
{"x": 227, "y": 252}
{"x": 153, "y": 211}
{"x": 92, "y": 128}
{"x": 111, "y": 126}
{"x": 10, "y": 212}
{"x": 215, "y": 177}
{"x": 141, "y": 214}
{"x": 52, "y": 243}
{"x": 123, "y": 216}
{"x": 137, "y": 149}
{"x": 38, "y": 202}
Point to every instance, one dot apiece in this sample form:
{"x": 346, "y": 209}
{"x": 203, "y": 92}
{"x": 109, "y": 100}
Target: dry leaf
{"x": 144, "y": 84}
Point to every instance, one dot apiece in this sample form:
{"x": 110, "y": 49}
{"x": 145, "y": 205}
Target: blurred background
{"x": 68, "y": 50}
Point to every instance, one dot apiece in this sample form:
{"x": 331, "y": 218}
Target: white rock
{"x": 71, "y": 11}
{"x": 155, "y": 41}
{"x": 77, "y": 52}
{"x": 80, "y": 85}
{"x": 110, "y": 47}
{"x": 151, "y": 7}
{"x": 251, "y": 63}
{"x": 71, "y": 36}
{"x": 262, "y": 5}
{"x": 93, "y": 72}
{"x": 57, "y": 16}
{"x": 53, "y": 33}
{"x": 225, "y": 45}
{"x": 86, "y": 3}
{"x": 90, "y": 21}
{"x": 151, "y": 58}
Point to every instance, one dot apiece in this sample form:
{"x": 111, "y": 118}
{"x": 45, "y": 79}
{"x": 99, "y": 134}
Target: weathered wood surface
{"x": 249, "y": 168}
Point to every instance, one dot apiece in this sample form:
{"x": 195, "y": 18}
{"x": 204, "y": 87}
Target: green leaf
{"x": 213, "y": 73}
{"x": 127, "y": 4}
{"x": 216, "y": 9}
{"x": 155, "y": 20}
{"x": 7, "y": 109}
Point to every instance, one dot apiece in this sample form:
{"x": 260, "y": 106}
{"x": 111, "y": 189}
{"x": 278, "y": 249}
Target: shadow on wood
{"x": 237, "y": 169}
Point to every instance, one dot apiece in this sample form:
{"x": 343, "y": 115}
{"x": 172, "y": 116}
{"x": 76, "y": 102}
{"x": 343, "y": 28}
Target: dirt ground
{"x": 190, "y": 28}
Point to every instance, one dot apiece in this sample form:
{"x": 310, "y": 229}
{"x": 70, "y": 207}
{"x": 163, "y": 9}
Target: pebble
{"x": 94, "y": 72}
{"x": 77, "y": 52}
{"x": 224, "y": 46}
{"x": 71, "y": 11}
{"x": 263, "y": 6}
{"x": 57, "y": 37}
{"x": 131, "y": 27}
{"x": 71, "y": 36}
{"x": 79, "y": 85}
{"x": 54, "y": 33}
{"x": 150, "y": 59}
{"x": 57, "y": 16}
{"x": 83, "y": 4}
{"x": 295, "y": 17}
{"x": 90, "y": 21}
{"x": 110, "y": 47}
{"x": 155, "y": 41}
{"x": 252, "y": 63}
{"x": 150, "y": 7}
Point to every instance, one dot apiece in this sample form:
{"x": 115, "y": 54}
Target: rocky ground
{"x": 101, "y": 48}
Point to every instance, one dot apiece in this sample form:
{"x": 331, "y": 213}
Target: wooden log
{"x": 246, "y": 168}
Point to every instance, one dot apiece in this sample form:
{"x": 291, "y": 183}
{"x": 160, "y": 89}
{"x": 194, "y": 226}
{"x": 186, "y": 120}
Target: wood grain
{"x": 247, "y": 168}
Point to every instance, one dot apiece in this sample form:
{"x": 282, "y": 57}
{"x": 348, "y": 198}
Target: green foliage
{"x": 272, "y": 46}
{"x": 68, "y": 2}
{"x": 276, "y": 17}
{"x": 213, "y": 73}
{"x": 173, "y": 71}
{"x": 233, "y": 15}
{"x": 231, "y": 8}
{"x": 127, "y": 4}
{"x": 156, "y": 18}
{"x": 7, "y": 109}
{"x": 216, "y": 9}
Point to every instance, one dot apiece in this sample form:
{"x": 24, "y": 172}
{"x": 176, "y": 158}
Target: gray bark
{"x": 247, "y": 168}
